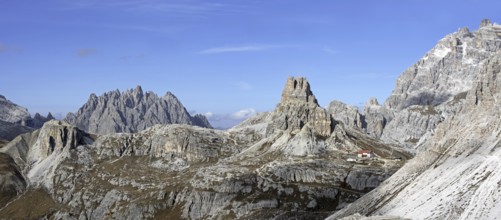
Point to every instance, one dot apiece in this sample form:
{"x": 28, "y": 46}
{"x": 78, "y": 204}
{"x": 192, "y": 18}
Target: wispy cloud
{"x": 142, "y": 28}
{"x": 85, "y": 52}
{"x": 168, "y": 8}
{"x": 330, "y": 51}
{"x": 228, "y": 49}
{"x": 132, "y": 57}
{"x": 243, "y": 85}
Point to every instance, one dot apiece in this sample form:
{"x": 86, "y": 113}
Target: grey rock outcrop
{"x": 39, "y": 153}
{"x": 346, "y": 114}
{"x": 456, "y": 173}
{"x": 431, "y": 90}
{"x": 373, "y": 117}
{"x": 299, "y": 107}
{"x": 13, "y": 113}
{"x": 16, "y": 120}
{"x": 131, "y": 111}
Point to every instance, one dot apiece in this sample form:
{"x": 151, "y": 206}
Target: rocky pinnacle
{"x": 298, "y": 108}
{"x": 298, "y": 88}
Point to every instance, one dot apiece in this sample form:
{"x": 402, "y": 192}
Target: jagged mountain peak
{"x": 456, "y": 173}
{"x": 485, "y": 22}
{"x": 298, "y": 89}
{"x": 447, "y": 69}
{"x": 13, "y": 113}
{"x": 299, "y": 107}
{"x": 131, "y": 111}
{"x": 372, "y": 102}
{"x": 434, "y": 88}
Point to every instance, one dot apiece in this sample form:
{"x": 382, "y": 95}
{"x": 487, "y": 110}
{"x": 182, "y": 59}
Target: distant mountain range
{"x": 132, "y": 111}
{"x": 113, "y": 112}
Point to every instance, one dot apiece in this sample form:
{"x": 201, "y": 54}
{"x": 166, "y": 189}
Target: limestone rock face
{"x": 456, "y": 173}
{"x": 39, "y": 153}
{"x": 16, "y": 120}
{"x": 52, "y": 139}
{"x": 346, "y": 114}
{"x": 438, "y": 81}
{"x": 13, "y": 113}
{"x": 298, "y": 89}
{"x": 299, "y": 107}
{"x": 373, "y": 116}
{"x": 131, "y": 111}
{"x": 431, "y": 90}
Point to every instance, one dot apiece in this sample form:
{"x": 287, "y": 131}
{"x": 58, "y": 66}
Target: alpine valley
{"x": 431, "y": 151}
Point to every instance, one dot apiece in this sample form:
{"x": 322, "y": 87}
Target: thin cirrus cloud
{"x": 169, "y": 8}
{"x": 370, "y": 76}
{"x": 330, "y": 51}
{"x": 132, "y": 57}
{"x": 245, "y": 86}
{"x": 227, "y": 49}
{"x": 85, "y": 52}
{"x": 246, "y": 48}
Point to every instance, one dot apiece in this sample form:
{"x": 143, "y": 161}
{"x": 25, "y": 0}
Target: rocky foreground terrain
{"x": 456, "y": 173}
{"x": 287, "y": 163}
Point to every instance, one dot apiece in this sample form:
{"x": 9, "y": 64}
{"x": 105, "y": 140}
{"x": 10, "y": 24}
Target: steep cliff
{"x": 456, "y": 174}
{"x": 431, "y": 90}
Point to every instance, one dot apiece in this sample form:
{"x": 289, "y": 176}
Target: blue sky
{"x": 229, "y": 58}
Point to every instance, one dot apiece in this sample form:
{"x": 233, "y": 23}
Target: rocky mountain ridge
{"x": 15, "y": 120}
{"x": 131, "y": 111}
{"x": 455, "y": 174}
{"x": 430, "y": 91}
{"x": 281, "y": 164}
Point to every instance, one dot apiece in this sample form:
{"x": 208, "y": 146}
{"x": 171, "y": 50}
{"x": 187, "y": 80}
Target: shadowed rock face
{"x": 12, "y": 182}
{"x": 9, "y": 131}
{"x": 131, "y": 111}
